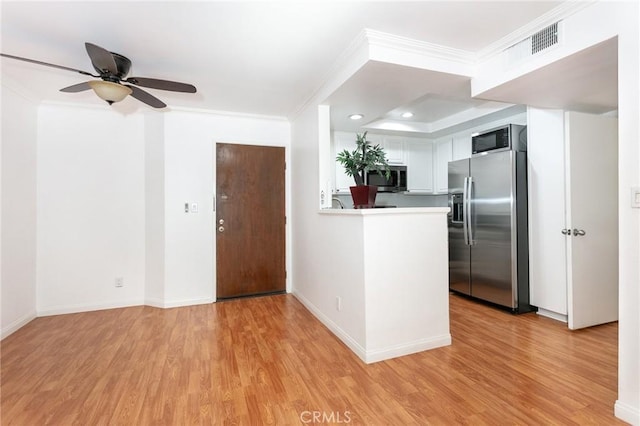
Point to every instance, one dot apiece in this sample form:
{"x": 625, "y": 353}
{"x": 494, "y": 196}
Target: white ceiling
{"x": 265, "y": 57}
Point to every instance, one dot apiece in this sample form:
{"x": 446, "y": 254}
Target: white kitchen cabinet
{"x": 341, "y": 141}
{"x": 573, "y": 228}
{"x": 419, "y": 166}
{"x": 441, "y": 164}
{"x": 461, "y": 147}
{"x": 394, "y": 146}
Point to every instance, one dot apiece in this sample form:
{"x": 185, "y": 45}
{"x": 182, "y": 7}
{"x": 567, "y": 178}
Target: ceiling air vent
{"x": 538, "y": 42}
{"x": 544, "y": 38}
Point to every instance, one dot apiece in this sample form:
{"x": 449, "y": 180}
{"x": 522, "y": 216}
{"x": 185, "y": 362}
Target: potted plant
{"x": 366, "y": 157}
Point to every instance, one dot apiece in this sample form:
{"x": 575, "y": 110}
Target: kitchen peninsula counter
{"x": 389, "y": 290}
{"x": 384, "y": 211}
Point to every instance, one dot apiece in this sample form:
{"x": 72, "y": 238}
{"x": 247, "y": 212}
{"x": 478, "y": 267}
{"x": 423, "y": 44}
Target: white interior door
{"x": 592, "y": 216}
{"x": 547, "y": 215}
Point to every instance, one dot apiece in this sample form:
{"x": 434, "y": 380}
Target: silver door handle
{"x": 465, "y": 213}
{"x": 578, "y": 232}
{"x": 566, "y": 232}
{"x": 469, "y": 196}
{"x": 221, "y": 229}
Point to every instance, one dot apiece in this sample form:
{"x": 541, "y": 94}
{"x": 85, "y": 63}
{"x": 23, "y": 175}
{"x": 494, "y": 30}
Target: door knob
{"x": 221, "y": 229}
{"x": 221, "y": 221}
{"x": 566, "y": 232}
{"x": 578, "y": 231}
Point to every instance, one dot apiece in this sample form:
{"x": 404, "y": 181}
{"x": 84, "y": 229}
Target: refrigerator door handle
{"x": 469, "y": 190}
{"x": 465, "y": 212}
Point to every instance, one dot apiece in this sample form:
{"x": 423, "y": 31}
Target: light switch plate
{"x": 194, "y": 207}
{"x": 635, "y": 197}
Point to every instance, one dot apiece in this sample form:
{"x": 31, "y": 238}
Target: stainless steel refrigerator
{"x": 488, "y": 242}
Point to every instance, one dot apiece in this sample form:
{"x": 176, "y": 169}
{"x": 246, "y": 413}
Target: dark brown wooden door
{"x": 250, "y": 220}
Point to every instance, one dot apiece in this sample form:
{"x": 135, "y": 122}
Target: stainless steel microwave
{"x": 504, "y": 138}
{"x": 396, "y": 182}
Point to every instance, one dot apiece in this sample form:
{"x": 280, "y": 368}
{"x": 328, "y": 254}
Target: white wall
{"x": 91, "y": 209}
{"x": 18, "y": 221}
{"x": 111, "y": 200}
{"x": 628, "y": 402}
{"x": 407, "y": 286}
{"x": 189, "y": 158}
{"x": 324, "y": 261}
{"x": 154, "y": 169}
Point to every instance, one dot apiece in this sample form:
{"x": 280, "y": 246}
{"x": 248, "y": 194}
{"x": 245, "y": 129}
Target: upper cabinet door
{"x": 461, "y": 147}
{"x": 420, "y": 166}
{"x": 441, "y": 165}
{"x": 394, "y": 147}
{"x": 341, "y": 141}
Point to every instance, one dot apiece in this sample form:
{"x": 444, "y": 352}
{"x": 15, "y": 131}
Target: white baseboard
{"x": 73, "y": 309}
{"x": 627, "y": 413}
{"x": 335, "y": 329}
{"x": 553, "y": 315}
{"x": 160, "y": 303}
{"x": 408, "y": 348}
{"x": 17, "y": 324}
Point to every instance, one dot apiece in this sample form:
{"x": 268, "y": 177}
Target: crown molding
{"x": 224, "y": 113}
{"x": 562, "y": 11}
{"x": 418, "y": 47}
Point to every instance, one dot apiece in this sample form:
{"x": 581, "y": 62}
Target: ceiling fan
{"x": 112, "y": 69}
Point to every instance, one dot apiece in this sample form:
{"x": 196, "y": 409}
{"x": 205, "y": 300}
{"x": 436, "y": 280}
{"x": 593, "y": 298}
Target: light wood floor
{"x": 269, "y": 361}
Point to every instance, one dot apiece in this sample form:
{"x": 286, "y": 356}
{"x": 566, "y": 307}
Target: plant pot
{"x": 364, "y": 196}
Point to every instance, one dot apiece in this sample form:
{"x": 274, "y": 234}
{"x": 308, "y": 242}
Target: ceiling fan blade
{"x": 154, "y": 83}
{"x": 101, "y": 58}
{"x": 33, "y": 61}
{"x": 80, "y": 87}
{"x": 146, "y": 97}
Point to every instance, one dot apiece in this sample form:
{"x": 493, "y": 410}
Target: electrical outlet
{"x": 194, "y": 207}
{"x": 119, "y": 282}
{"x": 338, "y": 303}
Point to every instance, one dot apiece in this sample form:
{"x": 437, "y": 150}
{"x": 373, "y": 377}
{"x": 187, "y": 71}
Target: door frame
{"x": 287, "y": 209}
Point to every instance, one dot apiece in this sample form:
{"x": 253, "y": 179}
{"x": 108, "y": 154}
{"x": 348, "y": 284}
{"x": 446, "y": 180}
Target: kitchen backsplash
{"x": 398, "y": 200}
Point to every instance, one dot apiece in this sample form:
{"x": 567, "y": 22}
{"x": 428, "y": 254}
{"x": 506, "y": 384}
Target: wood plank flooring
{"x": 267, "y": 360}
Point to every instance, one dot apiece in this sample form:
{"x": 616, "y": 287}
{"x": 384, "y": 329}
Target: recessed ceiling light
{"x": 407, "y": 114}
{"x": 356, "y": 116}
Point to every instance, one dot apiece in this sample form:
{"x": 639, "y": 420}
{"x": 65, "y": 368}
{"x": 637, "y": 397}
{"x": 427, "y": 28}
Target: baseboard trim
{"x": 333, "y": 327}
{"x": 159, "y": 303}
{"x": 18, "y": 324}
{"x": 408, "y": 348}
{"x": 627, "y": 413}
{"x": 74, "y": 309}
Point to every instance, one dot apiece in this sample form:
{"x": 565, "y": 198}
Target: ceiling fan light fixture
{"x": 109, "y": 91}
